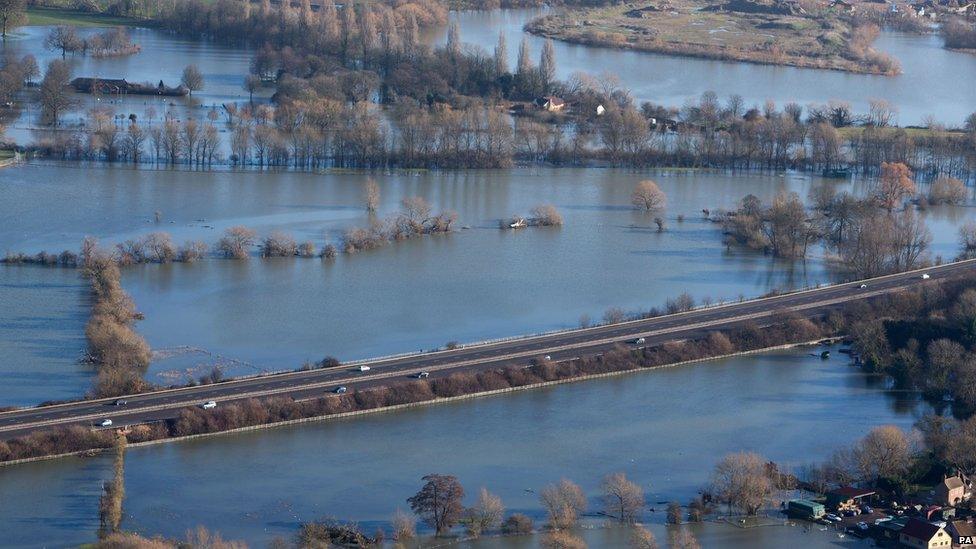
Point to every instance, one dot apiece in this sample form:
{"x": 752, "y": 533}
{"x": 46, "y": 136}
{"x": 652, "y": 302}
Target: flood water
{"x": 665, "y": 429}
{"x": 163, "y": 58}
{"x": 263, "y": 315}
{"x": 934, "y": 81}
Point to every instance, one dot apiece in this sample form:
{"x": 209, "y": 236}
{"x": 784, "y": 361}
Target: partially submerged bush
{"x": 278, "y": 244}
{"x": 236, "y": 242}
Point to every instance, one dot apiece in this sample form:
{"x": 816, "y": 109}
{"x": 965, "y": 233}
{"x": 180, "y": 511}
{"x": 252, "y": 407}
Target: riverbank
{"x": 741, "y": 31}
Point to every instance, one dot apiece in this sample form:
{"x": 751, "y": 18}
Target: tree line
{"x": 897, "y": 462}
{"x": 928, "y": 348}
{"x": 878, "y": 234}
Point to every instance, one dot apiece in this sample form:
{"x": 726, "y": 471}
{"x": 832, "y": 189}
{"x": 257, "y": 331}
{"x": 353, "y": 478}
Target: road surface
{"x": 563, "y": 345}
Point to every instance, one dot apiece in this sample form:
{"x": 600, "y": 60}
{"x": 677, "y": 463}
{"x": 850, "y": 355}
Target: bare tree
{"x": 648, "y": 196}
{"x": 674, "y": 514}
{"x": 279, "y": 244}
{"x": 235, "y": 242}
{"x": 894, "y": 185}
{"x": 158, "y": 247}
{"x": 547, "y": 215}
{"x": 740, "y": 480}
{"x": 614, "y": 315}
{"x": 967, "y": 240}
{"x": 547, "y": 64}
{"x": 684, "y": 539}
{"x": 884, "y": 453}
{"x": 501, "y": 55}
{"x": 404, "y": 528}
{"x": 371, "y": 195}
{"x": 192, "y": 78}
{"x": 947, "y": 190}
{"x": 12, "y": 14}
{"x": 110, "y": 505}
{"x": 252, "y": 83}
{"x": 54, "y": 94}
{"x": 560, "y": 539}
{"x": 438, "y": 502}
{"x": 486, "y": 514}
{"x": 622, "y": 498}
{"x": 64, "y": 38}
{"x": 642, "y": 538}
{"x": 563, "y": 501}
{"x": 882, "y": 113}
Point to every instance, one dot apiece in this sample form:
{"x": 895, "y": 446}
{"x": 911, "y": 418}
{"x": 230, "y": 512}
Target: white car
{"x": 106, "y": 423}
{"x": 832, "y": 517}
{"x": 548, "y": 357}
{"x": 639, "y": 341}
{"x": 340, "y": 390}
{"x": 210, "y": 404}
{"x": 862, "y": 286}
{"x": 423, "y": 375}
{"x": 364, "y": 368}
{"x": 925, "y": 276}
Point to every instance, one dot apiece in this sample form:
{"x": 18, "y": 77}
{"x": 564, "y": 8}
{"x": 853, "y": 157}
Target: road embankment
{"x": 254, "y": 414}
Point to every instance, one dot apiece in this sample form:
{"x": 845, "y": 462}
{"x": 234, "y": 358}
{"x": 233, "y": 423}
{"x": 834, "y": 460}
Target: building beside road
{"x": 924, "y": 535}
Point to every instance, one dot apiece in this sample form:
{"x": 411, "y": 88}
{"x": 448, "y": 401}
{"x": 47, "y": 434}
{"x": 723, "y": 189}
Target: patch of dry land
{"x": 795, "y": 33}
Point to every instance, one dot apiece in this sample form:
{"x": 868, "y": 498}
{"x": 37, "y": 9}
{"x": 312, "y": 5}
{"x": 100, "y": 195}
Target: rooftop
{"x": 920, "y": 529}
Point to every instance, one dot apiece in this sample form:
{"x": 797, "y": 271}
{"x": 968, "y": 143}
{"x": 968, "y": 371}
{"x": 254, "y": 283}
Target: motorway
{"x": 564, "y": 345}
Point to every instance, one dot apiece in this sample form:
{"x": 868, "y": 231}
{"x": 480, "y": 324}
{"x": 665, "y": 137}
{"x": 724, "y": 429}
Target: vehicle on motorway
{"x": 640, "y": 341}
{"x": 925, "y": 276}
{"x": 364, "y": 368}
{"x": 423, "y": 375}
{"x": 106, "y": 423}
{"x": 548, "y": 357}
{"x": 832, "y": 517}
{"x": 862, "y": 286}
{"x": 120, "y": 402}
{"x": 341, "y": 389}
{"x": 210, "y": 404}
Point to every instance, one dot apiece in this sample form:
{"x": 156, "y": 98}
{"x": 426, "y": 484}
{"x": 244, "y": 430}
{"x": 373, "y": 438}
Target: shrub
{"x": 278, "y": 244}
{"x": 235, "y": 242}
{"x": 330, "y": 251}
{"x": 947, "y": 190}
{"x": 547, "y": 215}
{"x": 518, "y": 523}
{"x": 306, "y": 249}
{"x": 192, "y": 250}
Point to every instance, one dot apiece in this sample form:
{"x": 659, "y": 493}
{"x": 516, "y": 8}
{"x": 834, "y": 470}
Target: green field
{"x": 48, "y": 16}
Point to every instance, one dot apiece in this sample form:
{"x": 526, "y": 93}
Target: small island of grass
{"x": 792, "y": 33}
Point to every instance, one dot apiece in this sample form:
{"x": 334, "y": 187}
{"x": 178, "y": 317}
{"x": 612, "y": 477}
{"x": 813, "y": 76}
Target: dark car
{"x": 120, "y": 402}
